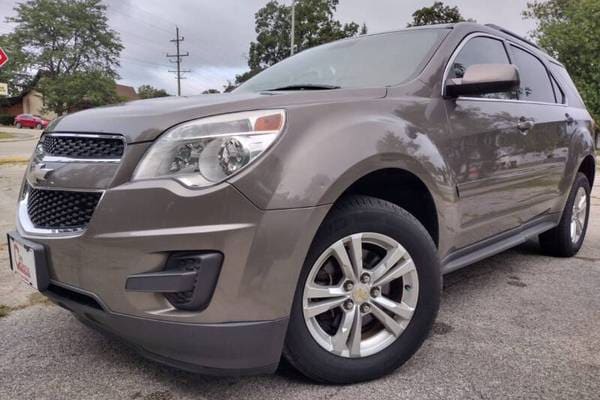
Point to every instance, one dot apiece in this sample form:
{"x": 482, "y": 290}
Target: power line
{"x": 162, "y": 18}
{"x": 141, "y": 20}
{"x": 137, "y": 60}
{"x": 178, "y": 56}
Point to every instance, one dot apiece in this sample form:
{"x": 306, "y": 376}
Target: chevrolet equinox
{"x": 312, "y": 213}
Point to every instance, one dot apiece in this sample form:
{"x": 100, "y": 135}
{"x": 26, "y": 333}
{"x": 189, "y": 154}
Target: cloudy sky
{"x": 217, "y": 32}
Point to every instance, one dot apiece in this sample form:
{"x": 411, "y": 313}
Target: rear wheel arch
{"x": 588, "y": 168}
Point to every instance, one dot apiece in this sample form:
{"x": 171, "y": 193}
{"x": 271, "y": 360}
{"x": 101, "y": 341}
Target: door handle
{"x": 525, "y": 124}
{"x": 569, "y": 119}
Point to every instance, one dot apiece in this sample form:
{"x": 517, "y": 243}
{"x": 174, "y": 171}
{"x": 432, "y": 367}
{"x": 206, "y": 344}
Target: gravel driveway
{"x": 518, "y": 325}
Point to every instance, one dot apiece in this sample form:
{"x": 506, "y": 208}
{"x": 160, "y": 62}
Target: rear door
{"x": 543, "y": 125}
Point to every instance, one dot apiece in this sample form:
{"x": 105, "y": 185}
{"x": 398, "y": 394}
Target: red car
{"x": 30, "y": 121}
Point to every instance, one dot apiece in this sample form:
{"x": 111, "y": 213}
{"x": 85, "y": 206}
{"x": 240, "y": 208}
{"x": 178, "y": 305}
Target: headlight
{"x": 207, "y": 151}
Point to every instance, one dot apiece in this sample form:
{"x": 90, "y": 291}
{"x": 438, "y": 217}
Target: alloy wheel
{"x": 360, "y": 295}
{"x": 578, "y": 215}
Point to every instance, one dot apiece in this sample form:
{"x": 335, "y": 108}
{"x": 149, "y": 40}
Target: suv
{"x": 30, "y": 121}
{"x": 313, "y": 212}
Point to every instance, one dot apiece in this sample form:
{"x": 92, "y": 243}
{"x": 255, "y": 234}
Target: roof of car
{"x": 488, "y": 28}
{"x": 505, "y": 34}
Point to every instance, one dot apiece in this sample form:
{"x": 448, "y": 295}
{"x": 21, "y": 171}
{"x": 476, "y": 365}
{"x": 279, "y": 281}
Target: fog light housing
{"x": 188, "y": 280}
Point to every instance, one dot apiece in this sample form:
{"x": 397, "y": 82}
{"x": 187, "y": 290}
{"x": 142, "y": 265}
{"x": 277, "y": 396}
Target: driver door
{"x": 488, "y": 150}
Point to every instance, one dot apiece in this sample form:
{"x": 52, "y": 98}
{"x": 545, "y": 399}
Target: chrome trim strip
{"x": 65, "y": 189}
{"x": 464, "y": 42}
{"x": 90, "y": 135}
{"x": 79, "y": 160}
{"x": 510, "y": 101}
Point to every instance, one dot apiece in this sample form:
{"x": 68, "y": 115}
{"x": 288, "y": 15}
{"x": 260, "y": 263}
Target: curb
{"x": 16, "y": 138}
{"x": 14, "y": 160}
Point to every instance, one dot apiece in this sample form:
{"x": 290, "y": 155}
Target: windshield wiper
{"x": 305, "y": 86}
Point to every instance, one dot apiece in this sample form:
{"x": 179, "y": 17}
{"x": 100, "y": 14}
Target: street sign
{"x": 3, "y": 57}
{"x": 3, "y": 89}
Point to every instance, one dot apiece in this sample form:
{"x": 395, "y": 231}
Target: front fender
{"x": 326, "y": 148}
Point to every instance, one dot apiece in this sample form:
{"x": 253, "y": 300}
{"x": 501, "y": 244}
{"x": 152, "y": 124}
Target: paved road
{"x": 516, "y": 326}
{"x": 20, "y": 146}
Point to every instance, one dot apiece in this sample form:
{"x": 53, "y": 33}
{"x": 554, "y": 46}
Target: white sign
{"x": 3, "y": 89}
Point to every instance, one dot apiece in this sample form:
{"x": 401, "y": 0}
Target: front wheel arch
{"x": 402, "y": 188}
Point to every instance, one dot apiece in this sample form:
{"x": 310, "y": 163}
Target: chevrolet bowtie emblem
{"x": 39, "y": 173}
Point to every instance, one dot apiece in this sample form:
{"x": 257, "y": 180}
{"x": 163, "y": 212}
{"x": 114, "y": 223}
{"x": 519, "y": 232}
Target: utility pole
{"x": 178, "y": 39}
{"x": 293, "y": 25}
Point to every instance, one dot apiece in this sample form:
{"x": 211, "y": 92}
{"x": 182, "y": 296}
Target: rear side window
{"x": 571, "y": 93}
{"x": 558, "y": 93}
{"x": 481, "y": 50}
{"x": 535, "y": 81}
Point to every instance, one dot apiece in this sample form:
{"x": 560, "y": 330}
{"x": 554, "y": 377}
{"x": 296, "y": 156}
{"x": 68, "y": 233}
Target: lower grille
{"x": 57, "y": 209}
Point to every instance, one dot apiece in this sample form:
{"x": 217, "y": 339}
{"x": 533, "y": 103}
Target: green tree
{"x": 229, "y": 87}
{"x": 78, "y": 90}
{"x": 150, "y": 92}
{"x": 570, "y": 31}
{"x": 315, "y": 25}
{"x": 66, "y": 36}
{"x": 63, "y": 41}
{"x": 363, "y": 29}
{"x": 438, "y": 13}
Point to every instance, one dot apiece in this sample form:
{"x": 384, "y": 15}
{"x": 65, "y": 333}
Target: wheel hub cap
{"x": 361, "y": 294}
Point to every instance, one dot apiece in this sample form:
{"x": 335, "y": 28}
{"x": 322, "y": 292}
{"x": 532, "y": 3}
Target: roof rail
{"x": 509, "y": 33}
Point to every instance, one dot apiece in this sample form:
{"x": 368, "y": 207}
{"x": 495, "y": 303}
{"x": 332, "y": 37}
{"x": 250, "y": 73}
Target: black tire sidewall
{"x": 306, "y": 354}
{"x": 581, "y": 181}
{"x": 557, "y": 241}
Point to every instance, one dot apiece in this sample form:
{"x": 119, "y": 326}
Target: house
{"x": 32, "y": 102}
{"x": 29, "y": 102}
{"x": 127, "y": 92}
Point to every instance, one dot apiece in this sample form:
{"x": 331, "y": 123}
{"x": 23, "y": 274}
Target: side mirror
{"x": 483, "y": 79}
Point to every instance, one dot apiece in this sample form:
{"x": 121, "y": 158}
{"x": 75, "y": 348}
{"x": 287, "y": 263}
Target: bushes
{"x": 6, "y": 119}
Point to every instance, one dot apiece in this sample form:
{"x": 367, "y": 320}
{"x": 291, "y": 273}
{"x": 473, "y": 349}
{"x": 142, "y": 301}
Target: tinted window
{"x": 535, "y": 82}
{"x": 481, "y": 50}
{"x": 368, "y": 61}
{"x": 571, "y": 94}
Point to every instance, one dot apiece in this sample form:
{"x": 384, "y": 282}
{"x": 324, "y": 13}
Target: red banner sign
{"x": 3, "y": 57}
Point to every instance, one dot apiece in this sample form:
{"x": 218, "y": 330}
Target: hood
{"x": 145, "y": 120}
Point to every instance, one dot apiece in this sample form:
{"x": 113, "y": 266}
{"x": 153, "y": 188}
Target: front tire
{"x": 368, "y": 293}
{"x": 566, "y": 239}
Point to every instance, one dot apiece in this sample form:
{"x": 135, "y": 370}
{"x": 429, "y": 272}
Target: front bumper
{"x": 136, "y": 226}
{"x": 214, "y": 349}
{"x": 134, "y": 229}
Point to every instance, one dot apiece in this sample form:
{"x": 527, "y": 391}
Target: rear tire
{"x": 18, "y": 125}
{"x": 369, "y": 219}
{"x": 566, "y": 239}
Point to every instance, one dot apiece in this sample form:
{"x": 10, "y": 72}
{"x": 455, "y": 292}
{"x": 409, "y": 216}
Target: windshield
{"x": 370, "y": 61}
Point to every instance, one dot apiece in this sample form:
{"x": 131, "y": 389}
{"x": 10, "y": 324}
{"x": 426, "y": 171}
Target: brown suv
{"x": 313, "y": 212}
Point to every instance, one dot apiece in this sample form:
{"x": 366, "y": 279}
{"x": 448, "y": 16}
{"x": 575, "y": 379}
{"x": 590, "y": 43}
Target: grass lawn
{"x": 4, "y": 135}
